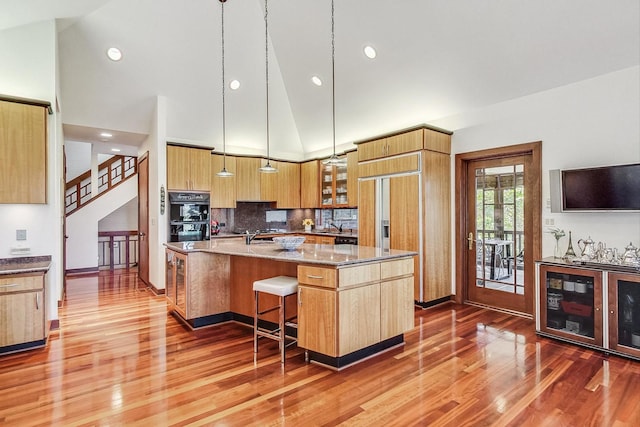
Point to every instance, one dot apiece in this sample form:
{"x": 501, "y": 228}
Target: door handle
{"x": 470, "y": 239}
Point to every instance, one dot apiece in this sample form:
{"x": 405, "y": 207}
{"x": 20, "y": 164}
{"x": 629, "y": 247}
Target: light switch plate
{"x": 21, "y": 234}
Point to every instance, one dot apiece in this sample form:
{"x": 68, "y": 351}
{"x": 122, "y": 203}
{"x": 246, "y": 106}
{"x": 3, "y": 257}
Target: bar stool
{"x": 282, "y": 287}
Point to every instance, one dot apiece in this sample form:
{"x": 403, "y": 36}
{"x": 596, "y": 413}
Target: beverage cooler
{"x": 188, "y": 216}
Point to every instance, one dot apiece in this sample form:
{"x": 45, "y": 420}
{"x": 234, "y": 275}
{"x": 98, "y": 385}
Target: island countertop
{"x": 335, "y": 255}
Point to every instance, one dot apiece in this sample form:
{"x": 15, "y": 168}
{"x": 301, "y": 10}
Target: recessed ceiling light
{"x": 106, "y": 135}
{"x": 370, "y": 52}
{"x": 114, "y": 54}
{"x": 316, "y": 81}
{"x": 115, "y": 150}
{"x": 234, "y": 85}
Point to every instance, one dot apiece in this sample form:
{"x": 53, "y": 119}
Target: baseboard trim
{"x": 87, "y": 270}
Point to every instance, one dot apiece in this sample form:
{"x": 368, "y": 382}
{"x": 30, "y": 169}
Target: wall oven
{"x": 188, "y": 216}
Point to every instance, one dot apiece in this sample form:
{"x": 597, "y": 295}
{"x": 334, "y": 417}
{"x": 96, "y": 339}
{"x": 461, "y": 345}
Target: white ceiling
{"x": 436, "y": 58}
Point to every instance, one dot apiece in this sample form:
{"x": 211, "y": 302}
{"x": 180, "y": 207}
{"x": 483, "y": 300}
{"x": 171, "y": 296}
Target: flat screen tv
{"x": 610, "y": 188}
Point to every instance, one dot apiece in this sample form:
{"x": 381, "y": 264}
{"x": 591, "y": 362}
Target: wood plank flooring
{"x": 119, "y": 359}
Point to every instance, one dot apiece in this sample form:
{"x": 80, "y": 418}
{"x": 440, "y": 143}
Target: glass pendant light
{"x": 224, "y": 172}
{"x": 267, "y": 168}
{"x": 334, "y": 160}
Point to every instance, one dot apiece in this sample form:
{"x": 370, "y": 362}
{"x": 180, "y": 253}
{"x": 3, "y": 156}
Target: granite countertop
{"x": 336, "y": 255}
{"x": 21, "y": 265}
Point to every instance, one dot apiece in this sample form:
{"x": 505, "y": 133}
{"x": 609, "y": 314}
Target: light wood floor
{"x": 119, "y": 359}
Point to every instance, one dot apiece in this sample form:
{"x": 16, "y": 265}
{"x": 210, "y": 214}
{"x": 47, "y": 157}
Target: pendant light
{"x": 224, "y": 172}
{"x": 267, "y": 168}
{"x": 334, "y": 160}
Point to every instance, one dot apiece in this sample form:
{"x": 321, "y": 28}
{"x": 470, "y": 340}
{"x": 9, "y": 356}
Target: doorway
{"x": 498, "y": 234}
{"x": 143, "y": 218}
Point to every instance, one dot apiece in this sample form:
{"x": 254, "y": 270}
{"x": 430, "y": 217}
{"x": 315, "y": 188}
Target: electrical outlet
{"x": 549, "y": 221}
{"x": 21, "y": 234}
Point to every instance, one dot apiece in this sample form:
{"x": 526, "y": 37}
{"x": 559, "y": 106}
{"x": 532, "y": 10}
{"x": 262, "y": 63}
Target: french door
{"x": 498, "y": 228}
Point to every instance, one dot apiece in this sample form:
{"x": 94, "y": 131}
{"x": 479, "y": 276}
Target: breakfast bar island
{"x": 353, "y": 301}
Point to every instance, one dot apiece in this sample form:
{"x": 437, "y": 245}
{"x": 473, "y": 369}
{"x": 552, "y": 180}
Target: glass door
{"x": 496, "y": 238}
{"x": 624, "y": 313}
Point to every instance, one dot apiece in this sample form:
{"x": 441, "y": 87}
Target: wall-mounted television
{"x": 607, "y": 188}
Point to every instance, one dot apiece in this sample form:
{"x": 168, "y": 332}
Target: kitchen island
{"x": 352, "y": 302}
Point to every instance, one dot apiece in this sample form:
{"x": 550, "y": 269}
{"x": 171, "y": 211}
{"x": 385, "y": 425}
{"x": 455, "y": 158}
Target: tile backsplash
{"x": 253, "y": 216}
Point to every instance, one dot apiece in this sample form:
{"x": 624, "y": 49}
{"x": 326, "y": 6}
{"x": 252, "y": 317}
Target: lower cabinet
{"x": 345, "y": 310}
{"x": 22, "y": 312}
{"x": 590, "y": 306}
{"x": 189, "y": 289}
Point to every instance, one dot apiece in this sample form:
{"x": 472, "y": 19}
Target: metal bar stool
{"x": 282, "y": 287}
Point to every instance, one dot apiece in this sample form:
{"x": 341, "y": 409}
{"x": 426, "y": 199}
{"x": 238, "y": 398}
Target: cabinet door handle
{"x": 299, "y": 297}
{"x": 37, "y": 301}
{"x": 313, "y": 276}
{"x": 10, "y": 285}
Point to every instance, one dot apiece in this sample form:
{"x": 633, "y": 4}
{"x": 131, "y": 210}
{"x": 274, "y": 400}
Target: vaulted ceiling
{"x": 436, "y": 58}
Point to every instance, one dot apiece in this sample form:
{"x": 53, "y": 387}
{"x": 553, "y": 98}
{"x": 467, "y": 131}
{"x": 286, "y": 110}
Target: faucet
{"x": 249, "y": 237}
{"x": 333, "y": 224}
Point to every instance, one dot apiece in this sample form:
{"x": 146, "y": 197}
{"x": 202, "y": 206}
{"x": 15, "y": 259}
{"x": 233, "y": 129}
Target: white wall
{"x": 30, "y": 51}
{"x": 595, "y": 122}
{"x": 82, "y": 225}
{"x": 78, "y": 155}
{"x": 155, "y": 146}
{"x": 122, "y": 219}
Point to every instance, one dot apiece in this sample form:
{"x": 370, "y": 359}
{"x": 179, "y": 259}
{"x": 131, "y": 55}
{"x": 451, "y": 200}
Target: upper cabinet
{"x": 334, "y": 187}
{"x": 248, "y": 179}
{"x": 23, "y": 151}
{"x": 310, "y": 184}
{"x": 188, "y": 168}
{"x": 223, "y": 189}
{"x": 288, "y": 185}
{"x": 406, "y": 142}
{"x": 352, "y": 178}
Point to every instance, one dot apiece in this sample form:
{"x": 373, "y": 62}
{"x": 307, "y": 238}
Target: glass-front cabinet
{"x": 333, "y": 186}
{"x": 571, "y": 304}
{"x": 624, "y": 313}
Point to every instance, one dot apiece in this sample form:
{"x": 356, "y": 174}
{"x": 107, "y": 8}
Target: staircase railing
{"x": 117, "y": 249}
{"x": 111, "y": 172}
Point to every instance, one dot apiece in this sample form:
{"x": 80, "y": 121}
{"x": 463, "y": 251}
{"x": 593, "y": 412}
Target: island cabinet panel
{"x": 188, "y": 168}
{"x": 396, "y": 307}
{"x": 323, "y": 277}
{"x": 317, "y": 322}
{"x": 22, "y": 311}
{"x": 190, "y": 290}
{"x": 359, "y": 318}
{"x": 23, "y": 153}
{"x": 223, "y": 189}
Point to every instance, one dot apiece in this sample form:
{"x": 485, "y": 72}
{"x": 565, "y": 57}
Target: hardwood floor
{"x": 119, "y": 359}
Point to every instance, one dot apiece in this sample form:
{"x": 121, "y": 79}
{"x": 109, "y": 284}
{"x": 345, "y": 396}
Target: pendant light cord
{"x": 224, "y": 119}
{"x": 266, "y": 61}
{"x": 333, "y": 79}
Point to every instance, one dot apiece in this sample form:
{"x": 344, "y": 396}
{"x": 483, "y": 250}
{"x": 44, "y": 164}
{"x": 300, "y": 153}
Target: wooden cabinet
{"x": 624, "y": 313}
{"x": 23, "y": 153}
{"x": 310, "y": 184}
{"x": 223, "y": 189}
{"x": 319, "y": 240}
{"x": 248, "y": 178}
{"x": 571, "y": 304}
{"x": 317, "y": 322}
{"x": 352, "y": 178}
{"x": 22, "y": 312}
{"x": 333, "y": 186}
{"x": 423, "y": 138}
{"x": 341, "y": 311}
{"x": 411, "y": 194}
{"x": 288, "y": 186}
{"x": 188, "y": 168}
{"x": 190, "y": 292}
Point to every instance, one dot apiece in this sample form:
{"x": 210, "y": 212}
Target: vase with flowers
{"x": 308, "y": 223}
{"x": 557, "y": 234}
